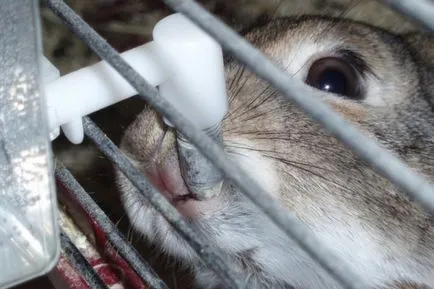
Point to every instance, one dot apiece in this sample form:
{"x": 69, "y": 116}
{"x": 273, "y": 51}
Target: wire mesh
{"x": 80, "y": 263}
{"x": 421, "y": 11}
{"x": 286, "y": 221}
{"x": 209, "y": 255}
{"x": 383, "y": 161}
{"x": 142, "y": 268}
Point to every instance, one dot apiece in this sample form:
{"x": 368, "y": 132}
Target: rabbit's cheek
{"x": 258, "y": 166}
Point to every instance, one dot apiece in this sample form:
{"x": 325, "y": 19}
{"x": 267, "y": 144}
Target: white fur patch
{"x": 257, "y": 167}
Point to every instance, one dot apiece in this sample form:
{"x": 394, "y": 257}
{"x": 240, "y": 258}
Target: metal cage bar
{"x": 421, "y": 11}
{"x": 127, "y": 251}
{"x": 208, "y": 255}
{"x": 93, "y": 244}
{"x": 80, "y": 263}
{"x": 390, "y": 166}
{"x": 387, "y": 164}
{"x": 290, "y": 225}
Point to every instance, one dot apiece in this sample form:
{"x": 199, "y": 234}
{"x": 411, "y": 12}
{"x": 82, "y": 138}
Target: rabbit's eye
{"x": 336, "y": 76}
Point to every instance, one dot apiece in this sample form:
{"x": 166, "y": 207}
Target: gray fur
{"x": 322, "y": 182}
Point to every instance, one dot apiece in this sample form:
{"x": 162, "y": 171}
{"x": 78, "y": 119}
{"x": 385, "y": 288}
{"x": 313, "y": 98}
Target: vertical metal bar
{"x": 141, "y": 267}
{"x": 80, "y": 263}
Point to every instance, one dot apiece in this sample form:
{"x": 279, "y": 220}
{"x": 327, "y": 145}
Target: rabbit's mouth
{"x": 165, "y": 174}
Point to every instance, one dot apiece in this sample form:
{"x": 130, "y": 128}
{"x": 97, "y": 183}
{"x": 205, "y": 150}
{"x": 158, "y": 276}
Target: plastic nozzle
{"x": 197, "y": 89}
{"x": 184, "y": 61}
{"x": 194, "y": 65}
{"x": 187, "y": 66}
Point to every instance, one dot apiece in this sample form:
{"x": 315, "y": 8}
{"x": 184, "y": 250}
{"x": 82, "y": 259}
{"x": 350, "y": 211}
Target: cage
{"x": 94, "y": 252}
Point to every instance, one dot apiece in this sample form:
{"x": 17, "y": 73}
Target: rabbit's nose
{"x": 198, "y": 91}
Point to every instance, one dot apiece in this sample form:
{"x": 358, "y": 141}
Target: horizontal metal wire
{"x": 287, "y": 222}
{"x": 421, "y": 11}
{"x": 123, "y": 247}
{"x": 79, "y": 262}
{"x": 211, "y": 257}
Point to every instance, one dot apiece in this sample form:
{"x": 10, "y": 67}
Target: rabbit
{"x": 380, "y": 82}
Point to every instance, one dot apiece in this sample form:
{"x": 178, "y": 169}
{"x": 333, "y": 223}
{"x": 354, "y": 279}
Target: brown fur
{"x": 326, "y": 185}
